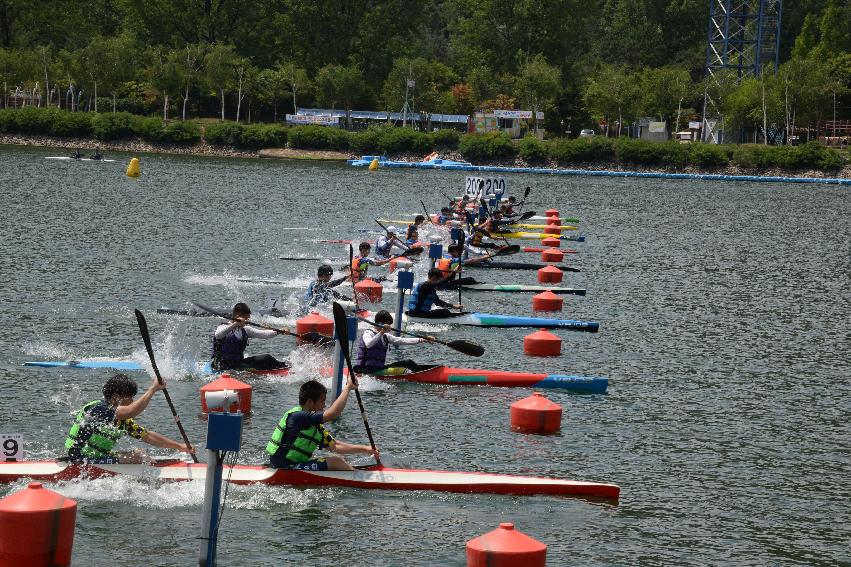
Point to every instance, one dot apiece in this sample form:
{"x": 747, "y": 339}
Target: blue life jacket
{"x": 230, "y": 348}
{"x": 372, "y": 357}
{"x": 419, "y": 302}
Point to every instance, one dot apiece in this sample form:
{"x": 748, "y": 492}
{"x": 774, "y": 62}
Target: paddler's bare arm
{"x": 138, "y": 405}
{"x": 349, "y": 449}
{"x": 157, "y": 440}
{"x": 339, "y": 404}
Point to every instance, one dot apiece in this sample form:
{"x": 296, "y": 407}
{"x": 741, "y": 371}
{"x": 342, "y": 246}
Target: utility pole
{"x": 410, "y": 83}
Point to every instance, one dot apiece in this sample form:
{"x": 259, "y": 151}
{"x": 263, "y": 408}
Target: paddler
{"x": 386, "y": 242}
{"x": 362, "y": 262}
{"x": 77, "y": 154}
{"x": 412, "y": 235}
{"x": 374, "y": 342}
{"x": 321, "y": 289}
{"x": 96, "y": 156}
{"x": 425, "y": 295}
{"x": 300, "y": 432}
{"x": 449, "y": 264}
{"x": 230, "y": 340}
{"x": 445, "y": 216}
{"x": 101, "y": 423}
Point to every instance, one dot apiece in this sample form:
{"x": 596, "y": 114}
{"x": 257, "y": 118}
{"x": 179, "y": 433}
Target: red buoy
{"x": 550, "y": 274}
{"x": 551, "y": 242}
{"x": 535, "y": 414}
{"x": 551, "y": 212}
{"x": 552, "y": 255}
{"x": 36, "y": 528}
{"x": 369, "y": 290}
{"x": 506, "y": 547}
{"x": 547, "y": 301}
{"x": 552, "y": 230}
{"x": 227, "y": 382}
{"x": 553, "y": 220}
{"x": 542, "y": 343}
{"x": 314, "y": 323}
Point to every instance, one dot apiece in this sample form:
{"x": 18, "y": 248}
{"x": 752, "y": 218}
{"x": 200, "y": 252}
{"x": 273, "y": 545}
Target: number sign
{"x": 484, "y": 187}
{"x": 11, "y": 447}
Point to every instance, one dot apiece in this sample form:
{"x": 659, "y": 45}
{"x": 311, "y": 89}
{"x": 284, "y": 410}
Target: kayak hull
{"x": 506, "y": 321}
{"x": 499, "y": 378}
{"x": 381, "y": 478}
{"x": 510, "y": 288}
{"x": 130, "y": 365}
{"x": 515, "y": 266}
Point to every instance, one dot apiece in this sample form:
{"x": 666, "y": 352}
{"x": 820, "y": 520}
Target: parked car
{"x": 586, "y": 133}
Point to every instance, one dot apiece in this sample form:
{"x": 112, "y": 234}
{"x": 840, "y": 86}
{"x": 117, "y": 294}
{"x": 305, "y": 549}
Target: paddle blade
{"x": 526, "y": 193}
{"x": 146, "y": 338}
{"x": 412, "y": 251}
{"x": 508, "y": 250}
{"x": 342, "y": 328}
{"x": 466, "y": 347}
{"x": 317, "y": 339}
{"x": 527, "y": 215}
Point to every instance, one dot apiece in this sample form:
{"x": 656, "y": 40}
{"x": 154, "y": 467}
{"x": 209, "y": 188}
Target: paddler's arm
{"x": 339, "y": 404}
{"x": 350, "y": 449}
{"x": 157, "y": 440}
{"x": 138, "y": 405}
{"x": 338, "y": 281}
{"x": 255, "y": 333}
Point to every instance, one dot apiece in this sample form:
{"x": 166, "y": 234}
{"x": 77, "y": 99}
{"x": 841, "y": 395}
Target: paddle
{"x": 425, "y": 209}
{"x": 463, "y": 346}
{"x": 146, "y": 337}
{"x": 342, "y": 327}
{"x": 525, "y": 216}
{"x": 525, "y": 196}
{"x": 408, "y": 249}
{"x": 311, "y": 337}
{"x": 460, "y": 242}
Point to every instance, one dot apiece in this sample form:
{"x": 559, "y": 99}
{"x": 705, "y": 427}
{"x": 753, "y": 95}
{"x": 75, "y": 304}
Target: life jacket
{"x": 419, "y": 302}
{"x": 446, "y": 265}
{"x": 359, "y": 269}
{"x": 372, "y": 357}
{"x": 230, "y": 348}
{"x": 98, "y": 441}
{"x": 412, "y": 235}
{"x": 306, "y": 442}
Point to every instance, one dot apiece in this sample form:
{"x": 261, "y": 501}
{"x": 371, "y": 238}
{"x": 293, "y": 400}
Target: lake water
{"x": 724, "y": 331}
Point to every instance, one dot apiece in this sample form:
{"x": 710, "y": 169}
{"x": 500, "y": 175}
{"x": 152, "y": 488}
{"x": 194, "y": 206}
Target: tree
{"x": 627, "y": 35}
{"x": 337, "y": 84}
{"x": 271, "y": 88}
{"x": 610, "y": 92}
{"x": 219, "y": 70}
{"x": 432, "y": 81}
{"x": 297, "y": 80}
{"x": 539, "y": 85}
{"x": 166, "y": 74}
{"x": 193, "y": 63}
{"x": 663, "y": 90}
{"x": 246, "y": 80}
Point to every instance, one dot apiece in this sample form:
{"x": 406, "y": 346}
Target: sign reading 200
{"x": 488, "y": 188}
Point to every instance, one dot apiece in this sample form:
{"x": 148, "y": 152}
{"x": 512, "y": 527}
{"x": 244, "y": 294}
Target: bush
{"x": 365, "y": 142}
{"x": 707, "y": 155}
{"x": 71, "y": 124}
{"x": 398, "y": 140}
{"x": 318, "y": 138}
{"x": 33, "y": 120}
{"x": 493, "y": 145}
{"x": 754, "y": 156}
{"x": 581, "y": 150}
{"x": 533, "y": 150}
{"x": 114, "y": 126}
{"x": 445, "y": 139}
{"x": 263, "y": 136}
{"x": 223, "y": 133}
{"x": 150, "y": 129}
{"x": 8, "y": 123}
{"x": 182, "y": 132}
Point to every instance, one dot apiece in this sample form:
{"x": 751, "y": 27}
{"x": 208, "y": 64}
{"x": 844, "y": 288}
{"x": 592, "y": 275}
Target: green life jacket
{"x": 307, "y": 441}
{"x": 101, "y": 440}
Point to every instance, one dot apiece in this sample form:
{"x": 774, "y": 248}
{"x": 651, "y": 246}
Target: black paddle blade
{"x": 146, "y": 338}
{"x": 317, "y": 339}
{"x": 466, "y": 347}
{"x": 216, "y": 312}
{"x": 413, "y": 251}
{"x": 526, "y": 215}
{"x": 342, "y": 328}
{"x": 507, "y": 250}
{"x": 526, "y": 193}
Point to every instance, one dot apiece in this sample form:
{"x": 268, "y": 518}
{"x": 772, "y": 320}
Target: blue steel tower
{"x": 743, "y": 38}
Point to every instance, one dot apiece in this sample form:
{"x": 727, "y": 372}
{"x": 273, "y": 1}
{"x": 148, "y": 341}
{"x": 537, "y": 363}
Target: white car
{"x": 586, "y": 133}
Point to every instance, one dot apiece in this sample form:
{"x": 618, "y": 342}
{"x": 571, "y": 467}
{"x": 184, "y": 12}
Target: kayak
{"x": 537, "y": 236}
{"x": 129, "y": 365}
{"x": 539, "y": 249}
{"x": 511, "y": 225}
{"x": 492, "y": 320}
{"x": 472, "y": 377}
{"x": 516, "y": 266}
{"x": 374, "y": 477}
{"x": 512, "y": 288}
{"x": 560, "y": 219}
{"x": 78, "y": 159}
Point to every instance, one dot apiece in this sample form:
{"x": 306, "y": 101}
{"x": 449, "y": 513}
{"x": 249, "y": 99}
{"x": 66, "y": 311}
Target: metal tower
{"x": 743, "y": 37}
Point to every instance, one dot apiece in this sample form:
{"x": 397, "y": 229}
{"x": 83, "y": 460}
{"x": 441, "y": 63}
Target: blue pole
{"x": 405, "y": 282}
{"x": 435, "y": 253}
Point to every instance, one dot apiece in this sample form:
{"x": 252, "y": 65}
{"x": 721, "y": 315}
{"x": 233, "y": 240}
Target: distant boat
{"x": 79, "y": 159}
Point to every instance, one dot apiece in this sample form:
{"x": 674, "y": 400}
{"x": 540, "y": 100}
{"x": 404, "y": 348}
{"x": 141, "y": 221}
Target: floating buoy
{"x": 36, "y": 528}
{"x": 373, "y": 165}
{"x": 506, "y": 547}
{"x": 551, "y": 242}
{"x": 551, "y": 213}
{"x": 547, "y": 301}
{"x": 552, "y": 230}
{"x": 550, "y": 274}
{"x": 227, "y": 382}
{"x": 401, "y": 264}
{"x": 552, "y": 255}
{"x": 535, "y": 414}
{"x": 542, "y": 343}
{"x": 314, "y": 323}
{"x": 369, "y": 290}
{"x": 133, "y": 168}
{"x": 553, "y": 221}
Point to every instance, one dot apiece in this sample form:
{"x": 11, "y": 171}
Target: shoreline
{"x": 204, "y": 149}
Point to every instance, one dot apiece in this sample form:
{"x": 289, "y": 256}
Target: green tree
{"x": 835, "y": 29}
{"x": 611, "y": 92}
{"x": 539, "y": 85}
{"x": 166, "y": 74}
{"x": 271, "y": 89}
{"x": 297, "y": 81}
{"x": 807, "y": 40}
{"x": 627, "y": 35}
{"x": 219, "y": 70}
{"x": 432, "y": 83}
{"x": 663, "y": 92}
{"x": 340, "y": 85}
{"x": 193, "y": 65}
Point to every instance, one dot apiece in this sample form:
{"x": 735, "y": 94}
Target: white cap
{"x": 392, "y": 229}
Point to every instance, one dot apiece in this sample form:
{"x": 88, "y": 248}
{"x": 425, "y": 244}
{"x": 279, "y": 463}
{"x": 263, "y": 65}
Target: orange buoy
{"x": 551, "y": 230}
{"x": 36, "y": 528}
{"x": 547, "y": 301}
{"x": 550, "y": 274}
{"x": 542, "y": 343}
{"x": 535, "y": 414}
{"x": 506, "y": 547}
{"x": 314, "y": 323}
{"x": 553, "y": 221}
{"x": 551, "y": 212}
{"x": 551, "y": 242}
{"x": 228, "y": 382}
{"x": 369, "y": 290}
{"x": 552, "y": 255}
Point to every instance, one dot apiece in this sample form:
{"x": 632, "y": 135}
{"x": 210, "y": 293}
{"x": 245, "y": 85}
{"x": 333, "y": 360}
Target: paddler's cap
{"x": 392, "y": 229}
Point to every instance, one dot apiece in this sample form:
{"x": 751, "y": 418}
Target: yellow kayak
{"x": 510, "y": 226}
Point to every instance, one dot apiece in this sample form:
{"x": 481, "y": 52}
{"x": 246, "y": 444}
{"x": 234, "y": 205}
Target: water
{"x": 724, "y": 312}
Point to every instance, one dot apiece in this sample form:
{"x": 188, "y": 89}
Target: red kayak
{"x": 369, "y": 478}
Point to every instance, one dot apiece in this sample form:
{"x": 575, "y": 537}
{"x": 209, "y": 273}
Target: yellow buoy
{"x": 373, "y": 165}
{"x": 133, "y": 168}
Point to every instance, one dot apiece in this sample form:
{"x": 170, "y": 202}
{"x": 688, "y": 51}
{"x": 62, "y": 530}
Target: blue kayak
{"x": 128, "y": 365}
{"x": 493, "y": 320}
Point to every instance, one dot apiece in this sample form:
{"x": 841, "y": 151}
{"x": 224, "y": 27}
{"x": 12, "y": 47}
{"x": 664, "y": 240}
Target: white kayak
{"x": 79, "y": 159}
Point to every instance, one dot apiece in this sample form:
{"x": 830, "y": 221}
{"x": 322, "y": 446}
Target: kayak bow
{"x": 472, "y": 377}
{"x": 494, "y": 320}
